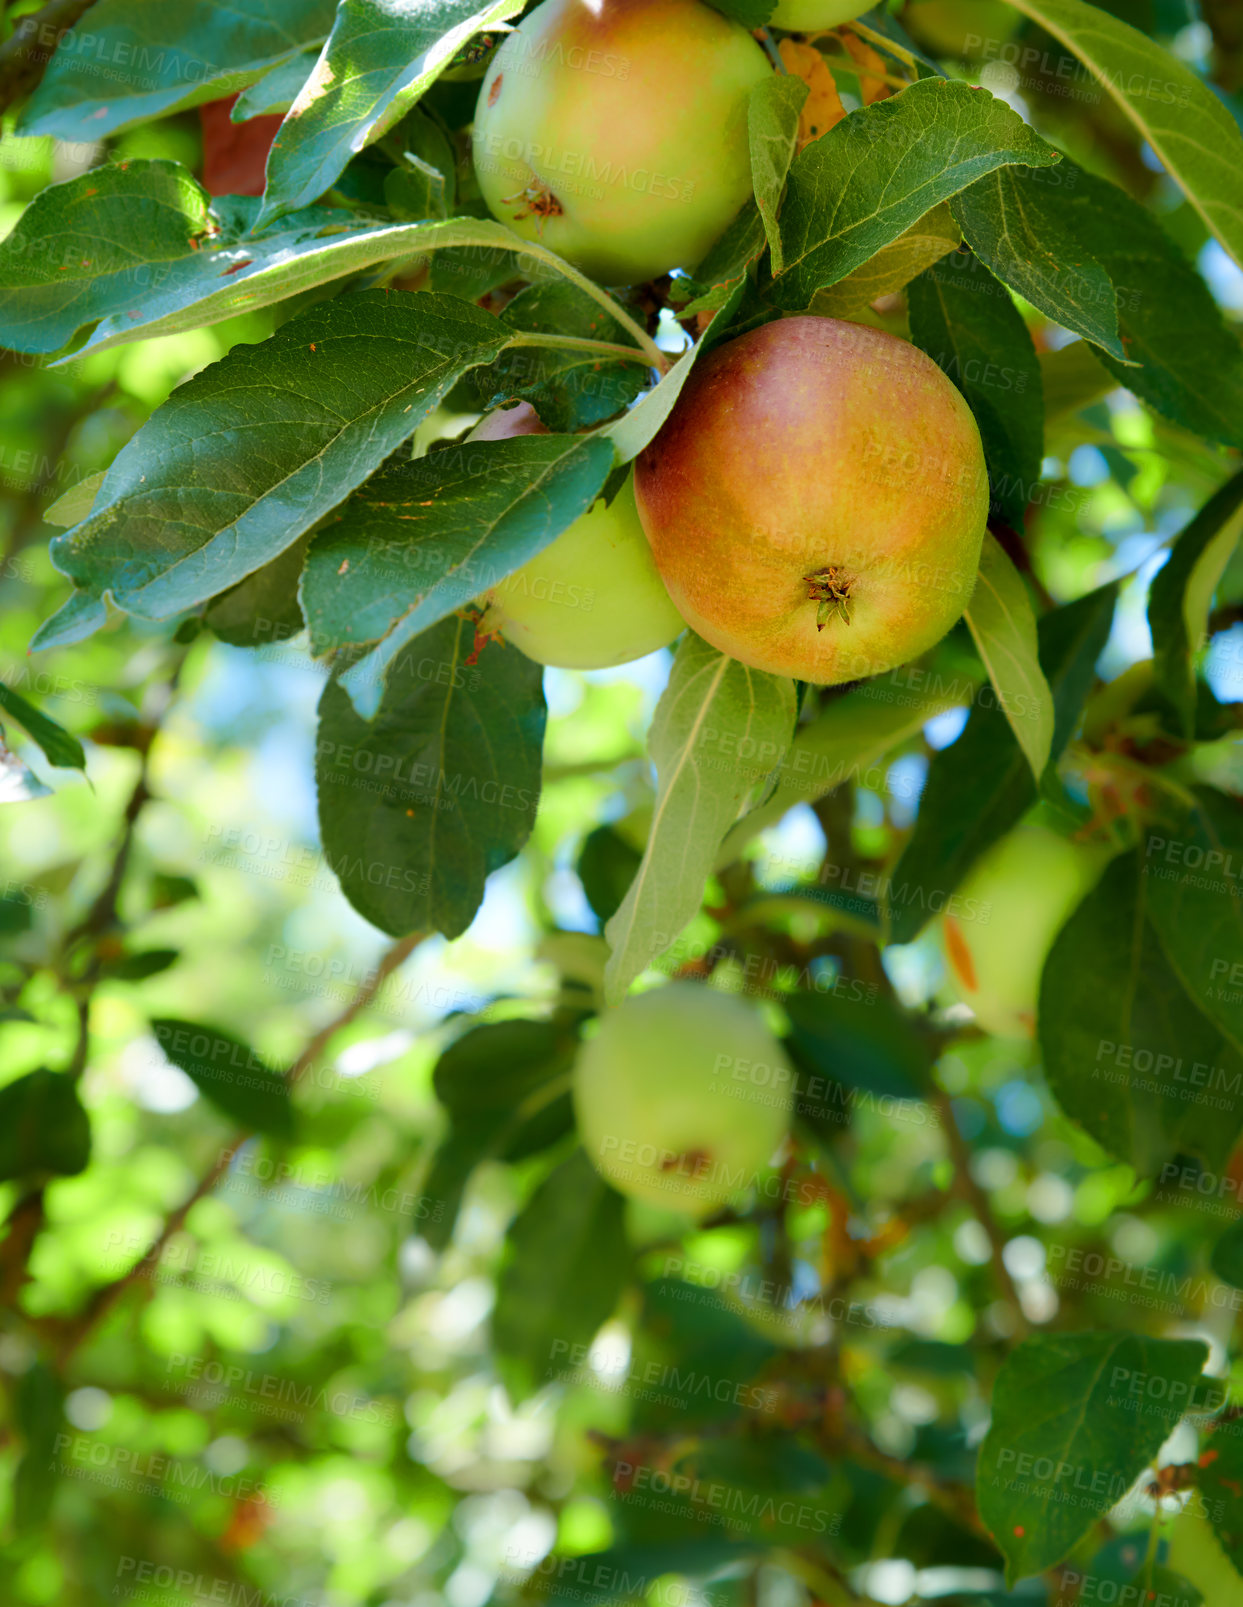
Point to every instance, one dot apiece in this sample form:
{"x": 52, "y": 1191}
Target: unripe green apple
{"x": 816, "y": 500}
{"x": 615, "y": 132}
{"x": 806, "y": 16}
{"x": 682, "y": 1097}
{"x": 593, "y": 598}
{"x": 1196, "y": 1553}
{"x": 1009, "y": 910}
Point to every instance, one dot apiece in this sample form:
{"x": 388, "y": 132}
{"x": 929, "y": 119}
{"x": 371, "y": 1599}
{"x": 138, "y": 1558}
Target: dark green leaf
{"x": 1189, "y": 127}
{"x": 1075, "y": 1419}
{"x": 567, "y": 1265}
{"x": 606, "y": 867}
{"x": 1126, "y": 1051}
{"x": 1015, "y": 220}
{"x": 981, "y": 785}
{"x": 247, "y": 455}
{"x": 852, "y": 1046}
{"x": 772, "y": 127}
{"x": 137, "y": 967}
{"x": 418, "y": 806}
{"x": 1182, "y": 594}
{"x": 424, "y": 538}
{"x": 877, "y": 172}
{"x": 1194, "y": 872}
{"x": 43, "y": 1127}
{"x": 569, "y": 390}
{"x": 263, "y": 608}
{"x": 163, "y": 58}
{"x": 1188, "y": 360}
{"x": 1227, "y": 1257}
{"x": 229, "y": 1074}
{"x": 967, "y": 323}
{"x": 1219, "y": 1480}
{"x": 381, "y": 56}
{"x": 57, "y": 745}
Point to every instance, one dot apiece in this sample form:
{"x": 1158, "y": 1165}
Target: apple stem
{"x": 652, "y": 352}
{"x": 602, "y": 348}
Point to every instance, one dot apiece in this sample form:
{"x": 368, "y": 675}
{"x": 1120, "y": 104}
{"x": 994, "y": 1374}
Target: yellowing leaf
{"x": 823, "y": 107}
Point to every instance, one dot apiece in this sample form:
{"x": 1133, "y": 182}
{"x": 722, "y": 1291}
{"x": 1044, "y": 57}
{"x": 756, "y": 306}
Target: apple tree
{"x": 654, "y": 586}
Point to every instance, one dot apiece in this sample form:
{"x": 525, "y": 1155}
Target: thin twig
{"x": 105, "y": 1297}
{"x": 974, "y": 1196}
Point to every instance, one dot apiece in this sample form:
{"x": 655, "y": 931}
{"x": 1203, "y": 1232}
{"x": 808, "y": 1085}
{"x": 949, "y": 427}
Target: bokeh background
{"x": 298, "y": 1401}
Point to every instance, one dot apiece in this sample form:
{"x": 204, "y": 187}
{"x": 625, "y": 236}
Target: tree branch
{"x": 72, "y": 1334}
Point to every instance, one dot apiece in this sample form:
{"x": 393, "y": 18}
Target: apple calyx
{"x": 538, "y": 202}
{"x": 830, "y": 587}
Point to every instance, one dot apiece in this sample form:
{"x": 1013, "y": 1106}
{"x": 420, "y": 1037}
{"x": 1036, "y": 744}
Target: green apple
{"x": 806, "y": 16}
{"x": 1196, "y": 1553}
{"x": 615, "y": 132}
{"x": 1007, "y": 913}
{"x": 592, "y": 599}
{"x": 816, "y": 500}
{"x": 682, "y": 1096}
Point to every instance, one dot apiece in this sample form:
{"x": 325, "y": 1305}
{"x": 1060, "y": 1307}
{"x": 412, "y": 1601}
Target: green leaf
{"x": 981, "y": 785}
{"x": 247, "y": 455}
{"x": 1219, "y": 1486}
{"x": 58, "y": 746}
{"x": 1016, "y": 221}
{"x": 1074, "y": 1423}
{"x": 569, "y": 390}
{"x": 1183, "y": 359}
{"x": 422, "y": 539}
{"x": 1188, "y": 127}
{"x": 420, "y": 805}
{"x": 1227, "y": 1257}
{"x": 43, "y": 1127}
{"x": 860, "y": 1042}
{"x": 1182, "y": 591}
{"x": 772, "y": 125}
{"x": 161, "y": 59}
{"x": 1194, "y": 871}
{"x": 849, "y": 736}
{"x": 76, "y": 503}
{"x": 263, "y": 609}
{"x": 277, "y": 90}
{"x": 864, "y": 183}
{"x": 893, "y": 267}
{"x": 967, "y": 323}
{"x": 606, "y": 867}
{"x": 567, "y": 1266}
{"x": 506, "y": 1086}
{"x": 719, "y": 731}
{"x": 71, "y": 257}
{"x": 229, "y": 1074}
{"x": 1003, "y": 626}
{"x": 380, "y": 58}
{"x": 1126, "y": 1052}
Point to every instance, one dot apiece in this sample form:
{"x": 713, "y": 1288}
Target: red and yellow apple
{"x": 816, "y": 500}
{"x": 615, "y": 132}
{"x": 1015, "y": 900}
{"x": 593, "y": 597}
{"x": 682, "y": 1096}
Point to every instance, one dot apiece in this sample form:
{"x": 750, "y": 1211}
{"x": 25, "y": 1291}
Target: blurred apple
{"x": 682, "y": 1096}
{"x": 1014, "y": 902}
